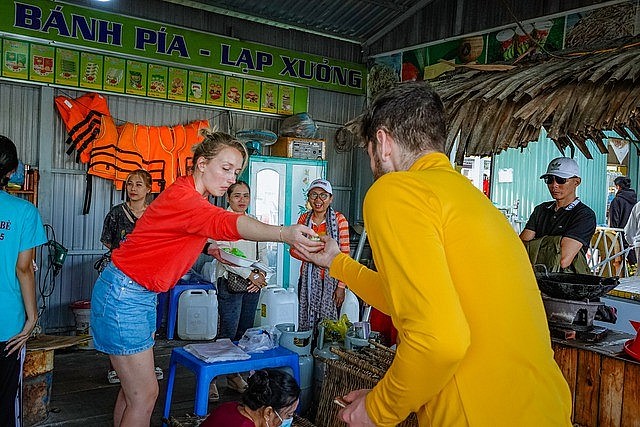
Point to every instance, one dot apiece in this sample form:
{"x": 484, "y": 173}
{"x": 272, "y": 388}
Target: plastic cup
{"x": 505, "y": 38}
{"x": 541, "y": 32}
{"x": 522, "y": 38}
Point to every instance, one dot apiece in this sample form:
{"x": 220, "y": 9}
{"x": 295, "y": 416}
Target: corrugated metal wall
{"x": 62, "y": 193}
{"x": 24, "y": 102}
{"x": 331, "y": 110}
{"x": 528, "y": 188}
{"x": 232, "y": 27}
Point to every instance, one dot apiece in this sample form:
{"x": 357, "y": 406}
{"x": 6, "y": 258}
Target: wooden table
{"x": 604, "y": 381}
{"x": 629, "y": 288}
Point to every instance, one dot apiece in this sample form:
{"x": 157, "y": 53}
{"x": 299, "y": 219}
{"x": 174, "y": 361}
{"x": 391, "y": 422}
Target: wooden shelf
{"x": 30, "y": 189}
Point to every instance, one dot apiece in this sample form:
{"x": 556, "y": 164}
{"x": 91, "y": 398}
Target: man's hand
{"x": 355, "y": 414}
{"x": 298, "y": 236}
{"x": 527, "y": 235}
{"x": 323, "y": 258}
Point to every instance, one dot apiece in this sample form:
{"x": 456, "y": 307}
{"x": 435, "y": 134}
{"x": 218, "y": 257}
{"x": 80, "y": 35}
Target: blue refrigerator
{"x": 279, "y": 189}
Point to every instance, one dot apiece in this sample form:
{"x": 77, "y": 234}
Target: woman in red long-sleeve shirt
{"x": 167, "y": 239}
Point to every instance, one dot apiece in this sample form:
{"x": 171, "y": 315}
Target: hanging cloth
{"x": 316, "y": 287}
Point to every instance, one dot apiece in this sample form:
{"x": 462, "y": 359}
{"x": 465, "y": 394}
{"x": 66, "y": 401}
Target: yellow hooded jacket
{"x": 473, "y": 342}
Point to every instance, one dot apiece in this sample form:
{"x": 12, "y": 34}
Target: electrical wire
{"x": 46, "y": 282}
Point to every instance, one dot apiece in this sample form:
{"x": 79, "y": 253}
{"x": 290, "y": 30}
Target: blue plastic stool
{"x": 174, "y": 295}
{"x": 278, "y": 357}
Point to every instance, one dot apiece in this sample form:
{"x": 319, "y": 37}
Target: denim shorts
{"x": 123, "y": 314}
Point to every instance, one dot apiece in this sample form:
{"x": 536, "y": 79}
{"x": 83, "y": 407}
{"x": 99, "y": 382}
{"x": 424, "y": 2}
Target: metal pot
{"x": 575, "y": 287}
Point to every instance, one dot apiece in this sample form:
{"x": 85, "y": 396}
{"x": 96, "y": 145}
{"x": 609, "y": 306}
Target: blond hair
{"x": 213, "y": 143}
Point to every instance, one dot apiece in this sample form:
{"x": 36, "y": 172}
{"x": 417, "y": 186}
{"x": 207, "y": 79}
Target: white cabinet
{"x": 279, "y": 189}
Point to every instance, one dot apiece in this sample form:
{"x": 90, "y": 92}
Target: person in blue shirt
{"x": 21, "y": 231}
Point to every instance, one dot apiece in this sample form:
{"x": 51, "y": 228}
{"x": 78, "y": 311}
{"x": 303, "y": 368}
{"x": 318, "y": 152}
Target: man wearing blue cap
{"x": 566, "y": 215}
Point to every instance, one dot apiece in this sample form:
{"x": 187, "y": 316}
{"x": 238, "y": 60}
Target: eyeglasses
{"x": 549, "y": 179}
{"x": 323, "y": 196}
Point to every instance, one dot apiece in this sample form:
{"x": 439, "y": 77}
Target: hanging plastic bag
{"x": 257, "y": 340}
{"x": 17, "y": 177}
{"x": 299, "y": 125}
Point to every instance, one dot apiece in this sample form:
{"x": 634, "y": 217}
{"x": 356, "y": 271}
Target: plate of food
{"x": 236, "y": 256}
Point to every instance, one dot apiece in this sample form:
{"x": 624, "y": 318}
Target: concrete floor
{"x": 81, "y": 396}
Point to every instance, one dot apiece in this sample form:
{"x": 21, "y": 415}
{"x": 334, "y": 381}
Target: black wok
{"x": 575, "y": 287}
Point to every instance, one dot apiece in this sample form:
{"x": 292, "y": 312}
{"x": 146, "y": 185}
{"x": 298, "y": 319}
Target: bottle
{"x": 350, "y": 306}
{"x": 279, "y": 305}
{"x": 197, "y": 314}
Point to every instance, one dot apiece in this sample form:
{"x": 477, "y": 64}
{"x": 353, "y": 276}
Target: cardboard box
{"x": 299, "y": 148}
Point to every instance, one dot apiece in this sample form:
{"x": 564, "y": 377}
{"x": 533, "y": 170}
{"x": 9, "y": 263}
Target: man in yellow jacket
{"x": 473, "y": 341}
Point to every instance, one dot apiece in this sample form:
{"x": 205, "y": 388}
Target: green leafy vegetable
{"x": 235, "y": 251}
{"x": 336, "y": 330}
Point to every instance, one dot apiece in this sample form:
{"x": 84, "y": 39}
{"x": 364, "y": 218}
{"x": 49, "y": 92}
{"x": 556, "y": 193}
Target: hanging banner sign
{"x": 620, "y": 148}
{"x": 105, "y": 31}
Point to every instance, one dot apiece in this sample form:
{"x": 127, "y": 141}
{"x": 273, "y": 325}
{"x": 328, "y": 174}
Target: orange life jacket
{"x": 103, "y": 151}
{"x": 161, "y": 148}
{"x": 114, "y": 152}
{"x": 191, "y": 137}
{"x": 132, "y": 153}
{"x": 81, "y": 117}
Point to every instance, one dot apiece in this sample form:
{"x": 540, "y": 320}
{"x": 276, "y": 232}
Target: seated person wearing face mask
{"x": 270, "y": 401}
{"x": 565, "y": 223}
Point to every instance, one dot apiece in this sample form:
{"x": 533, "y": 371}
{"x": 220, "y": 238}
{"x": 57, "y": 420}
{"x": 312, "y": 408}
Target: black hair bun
{"x": 258, "y": 391}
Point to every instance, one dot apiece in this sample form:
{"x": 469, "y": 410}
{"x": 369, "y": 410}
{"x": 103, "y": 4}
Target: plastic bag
{"x": 299, "y": 125}
{"x": 257, "y": 340}
{"x": 209, "y": 271}
{"x": 18, "y": 176}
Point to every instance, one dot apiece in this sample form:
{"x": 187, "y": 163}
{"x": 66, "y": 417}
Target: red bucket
{"x": 632, "y": 347}
{"x": 83, "y": 304}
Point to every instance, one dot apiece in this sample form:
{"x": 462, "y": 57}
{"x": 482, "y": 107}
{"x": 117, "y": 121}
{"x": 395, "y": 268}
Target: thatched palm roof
{"x": 575, "y": 96}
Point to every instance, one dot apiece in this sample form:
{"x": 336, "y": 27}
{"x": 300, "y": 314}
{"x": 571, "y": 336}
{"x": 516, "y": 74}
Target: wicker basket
{"x": 354, "y": 370}
{"x": 302, "y": 422}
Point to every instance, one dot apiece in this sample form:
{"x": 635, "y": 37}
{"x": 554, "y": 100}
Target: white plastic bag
{"x": 209, "y": 271}
{"x": 257, "y": 340}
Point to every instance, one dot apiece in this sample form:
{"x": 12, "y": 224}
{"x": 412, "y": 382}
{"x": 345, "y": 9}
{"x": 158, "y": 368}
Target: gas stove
{"x": 573, "y": 320}
{"x": 572, "y": 303}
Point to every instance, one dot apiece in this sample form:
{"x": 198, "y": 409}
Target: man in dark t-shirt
{"x": 566, "y": 216}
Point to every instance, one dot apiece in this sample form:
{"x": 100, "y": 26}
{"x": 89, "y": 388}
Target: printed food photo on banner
{"x": 413, "y": 62}
{"x": 443, "y": 57}
{"x": 528, "y": 39}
